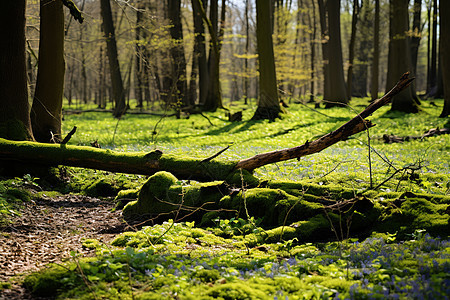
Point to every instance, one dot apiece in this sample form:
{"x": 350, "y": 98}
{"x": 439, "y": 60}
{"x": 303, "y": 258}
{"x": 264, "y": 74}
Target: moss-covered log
{"x": 114, "y": 161}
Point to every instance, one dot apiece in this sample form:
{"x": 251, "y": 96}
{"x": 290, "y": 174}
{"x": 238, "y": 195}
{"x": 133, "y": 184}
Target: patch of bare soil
{"x": 47, "y": 230}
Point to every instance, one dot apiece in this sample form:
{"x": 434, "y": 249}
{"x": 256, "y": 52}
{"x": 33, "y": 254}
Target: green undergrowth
{"x": 274, "y": 235}
{"x": 13, "y": 194}
{"x": 180, "y": 261}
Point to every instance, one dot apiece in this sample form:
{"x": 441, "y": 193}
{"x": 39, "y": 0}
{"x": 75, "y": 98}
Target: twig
{"x": 217, "y": 154}
{"x": 69, "y": 135}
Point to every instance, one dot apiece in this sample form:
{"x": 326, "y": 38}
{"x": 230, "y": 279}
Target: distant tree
{"x": 118, "y": 92}
{"x": 48, "y": 97}
{"x": 325, "y": 37}
{"x": 200, "y": 57}
{"x": 213, "y": 99}
{"x": 15, "y": 123}
{"x": 268, "y": 103}
{"x": 364, "y": 46}
{"x": 444, "y": 13}
{"x": 432, "y": 52}
{"x": 178, "y": 64}
{"x": 351, "y": 46}
{"x": 416, "y": 33}
{"x": 376, "y": 52}
{"x": 338, "y": 91}
{"x": 399, "y": 60}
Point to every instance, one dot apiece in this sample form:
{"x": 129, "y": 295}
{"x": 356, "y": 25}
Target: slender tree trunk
{"x": 139, "y": 61}
{"x": 325, "y": 49}
{"x": 48, "y": 96}
{"x": 351, "y": 47}
{"x": 118, "y": 92}
{"x": 432, "y": 72}
{"x": 15, "y": 121}
{"x": 313, "y": 52}
{"x": 416, "y": 31}
{"x": 200, "y": 51}
{"x": 247, "y": 45}
{"x": 364, "y": 46}
{"x": 399, "y": 59}
{"x": 444, "y": 13}
{"x": 268, "y": 104}
{"x": 376, "y": 52}
{"x": 177, "y": 53}
{"x": 214, "y": 97}
{"x": 338, "y": 91}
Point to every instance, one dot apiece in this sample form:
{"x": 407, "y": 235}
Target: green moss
{"x": 46, "y": 283}
{"x": 233, "y": 291}
{"x": 243, "y": 178}
{"x": 124, "y": 196}
{"x": 4, "y": 285}
{"x": 14, "y": 130}
{"x": 415, "y": 213}
{"x": 207, "y": 275}
{"x": 103, "y": 187}
{"x": 163, "y": 197}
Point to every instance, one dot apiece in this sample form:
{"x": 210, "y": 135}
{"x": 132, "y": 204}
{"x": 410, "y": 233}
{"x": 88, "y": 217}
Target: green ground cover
{"x": 231, "y": 259}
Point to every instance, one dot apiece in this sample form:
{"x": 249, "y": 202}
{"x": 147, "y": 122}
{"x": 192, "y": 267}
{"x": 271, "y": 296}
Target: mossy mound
{"x": 308, "y": 212}
{"x": 163, "y": 198}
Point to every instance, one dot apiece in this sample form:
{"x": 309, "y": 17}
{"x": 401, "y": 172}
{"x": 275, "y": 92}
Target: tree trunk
{"x": 376, "y": 52}
{"x": 183, "y": 168}
{"x": 432, "y": 69}
{"x": 399, "y": 59}
{"x": 15, "y": 123}
{"x": 313, "y": 52}
{"x": 178, "y": 64}
{"x": 351, "y": 47}
{"x": 247, "y": 46}
{"x": 118, "y": 92}
{"x": 325, "y": 49}
{"x": 364, "y": 44}
{"x": 48, "y": 96}
{"x": 338, "y": 91}
{"x": 139, "y": 60}
{"x": 268, "y": 103}
{"x": 200, "y": 51}
{"x": 416, "y": 34}
{"x": 444, "y": 13}
{"x": 213, "y": 99}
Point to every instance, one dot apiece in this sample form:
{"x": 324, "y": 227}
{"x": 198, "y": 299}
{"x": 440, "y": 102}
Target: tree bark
{"x": 432, "y": 67}
{"x": 416, "y": 34}
{"x": 325, "y": 48}
{"x": 376, "y": 52}
{"x": 444, "y": 13}
{"x": 213, "y": 99}
{"x": 183, "y": 168}
{"x": 399, "y": 59}
{"x": 268, "y": 103}
{"x": 118, "y": 92}
{"x": 338, "y": 91}
{"x": 351, "y": 47}
{"x": 15, "y": 123}
{"x": 47, "y": 103}
{"x": 178, "y": 63}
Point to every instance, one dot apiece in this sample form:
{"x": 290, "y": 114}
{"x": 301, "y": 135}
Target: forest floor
{"x": 47, "y": 230}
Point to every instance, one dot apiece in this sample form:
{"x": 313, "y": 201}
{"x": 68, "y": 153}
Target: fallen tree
{"x": 182, "y": 167}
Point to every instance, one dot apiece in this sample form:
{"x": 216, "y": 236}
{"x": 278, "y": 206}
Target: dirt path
{"x": 48, "y": 230}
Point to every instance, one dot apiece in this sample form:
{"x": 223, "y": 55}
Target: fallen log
{"x": 389, "y": 139}
{"x": 181, "y": 167}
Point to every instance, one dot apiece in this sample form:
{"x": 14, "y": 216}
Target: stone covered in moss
{"x": 125, "y": 196}
{"x": 161, "y": 197}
